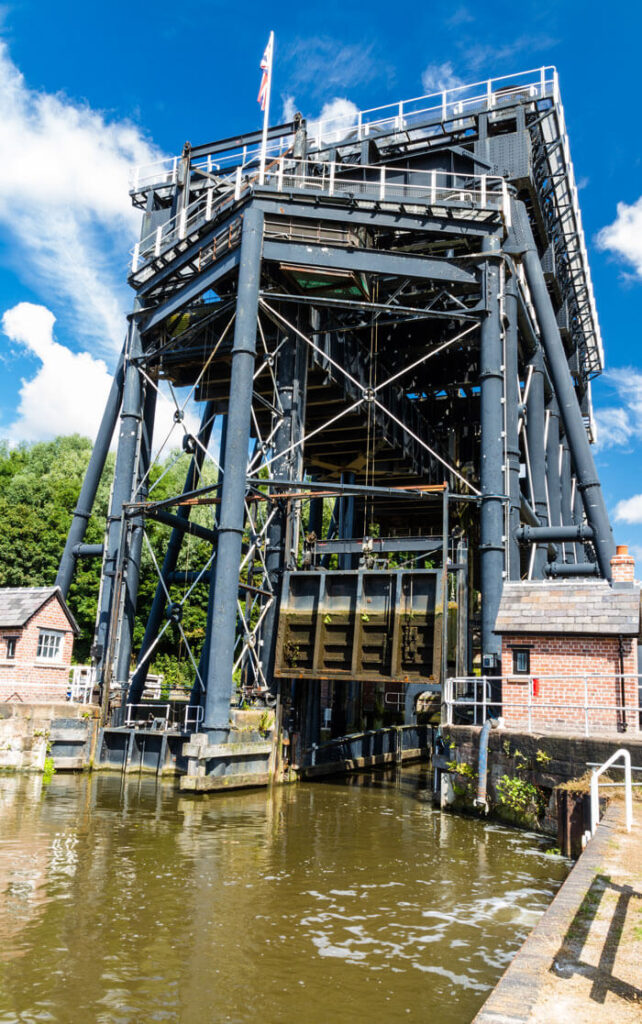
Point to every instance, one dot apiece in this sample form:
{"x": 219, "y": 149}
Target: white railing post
{"x": 157, "y": 242}
{"x": 628, "y": 790}
{"x": 359, "y": 126}
{"x": 208, "y": 205}
{"x": 279, "y": 176}
{"x": 237, "y": 184}
{"x": 483, "y": 191}
{"x": 400, "y": 118}
{"x": 433, "y": 187}
{"x": 444, "y": 106}
{"x": 382, "y": 183}
{"x": 135, "y": 257}
{"x": 333, "y": 168}
{"x": 542, "y": 82}
{"x": 586, "y": 707}
{"x": 182, "y": 223}
{"x": 174, "y": 170}
{"x": 490, "y": 95}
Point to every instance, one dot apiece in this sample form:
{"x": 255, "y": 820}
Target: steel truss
{"x": 377, "y": 319}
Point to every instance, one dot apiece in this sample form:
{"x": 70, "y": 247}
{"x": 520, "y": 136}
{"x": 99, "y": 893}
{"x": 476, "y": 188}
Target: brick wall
{"x": 33, "y": 679}
{"x": 552, "y": 661}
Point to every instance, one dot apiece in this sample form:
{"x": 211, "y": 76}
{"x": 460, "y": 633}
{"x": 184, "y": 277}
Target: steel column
{"x": 588, "y": 482}
{"x": 492, "y": 455}
{"x": 553, "y": 481}
{"x": 91, "y": 480}
{"x": 232, "y": 515}
{"x": 197, "y": 695}
{"x": 511, "y": 370}
{"x": 578, "y": 519}
{"x": 123, "y": 488}
{"x": 291, "y": 390}
{"x": 134, "y": 542}
{"x": 535, "y": 431}
{"x": 172, "y": 550}
{"x": 567, "y": 511}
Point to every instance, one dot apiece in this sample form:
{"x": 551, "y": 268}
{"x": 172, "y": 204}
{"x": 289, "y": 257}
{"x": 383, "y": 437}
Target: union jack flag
{"x": 266, "y": 68}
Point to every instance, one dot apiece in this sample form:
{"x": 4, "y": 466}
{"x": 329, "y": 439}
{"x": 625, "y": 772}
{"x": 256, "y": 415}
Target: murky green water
{"x": 348, "y": 902}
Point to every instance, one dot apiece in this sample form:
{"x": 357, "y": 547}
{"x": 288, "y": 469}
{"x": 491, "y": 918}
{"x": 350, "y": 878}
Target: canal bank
{"x": 581, "y": 962}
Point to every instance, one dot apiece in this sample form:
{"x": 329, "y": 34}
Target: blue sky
{"x": 85, "y": 91}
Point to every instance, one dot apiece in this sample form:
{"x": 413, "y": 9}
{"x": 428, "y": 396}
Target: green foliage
{"x": 543, "y": 759}
{"x": 506, "y": 747}
{"x": 461, "y": 768}
{"x": 39, "y": 488}
{"x": 49, "y": 770}
{"x": 519, "y": 795}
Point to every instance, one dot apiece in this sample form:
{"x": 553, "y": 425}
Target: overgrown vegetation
{"x": 519, "y": 795}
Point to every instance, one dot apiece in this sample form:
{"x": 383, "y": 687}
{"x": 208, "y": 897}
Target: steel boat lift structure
{"x": 393, "y": 331}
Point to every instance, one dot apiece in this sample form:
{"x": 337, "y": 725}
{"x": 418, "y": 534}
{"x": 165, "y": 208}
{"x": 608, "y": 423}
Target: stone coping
{"x": 517, "y": 992}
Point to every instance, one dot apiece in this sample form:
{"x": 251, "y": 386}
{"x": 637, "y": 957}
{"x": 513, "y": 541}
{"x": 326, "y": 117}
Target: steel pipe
{"x": 588, "y": 481}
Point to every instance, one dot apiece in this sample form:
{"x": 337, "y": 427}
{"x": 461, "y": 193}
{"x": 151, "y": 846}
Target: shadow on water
{"x": 345, "y": 900}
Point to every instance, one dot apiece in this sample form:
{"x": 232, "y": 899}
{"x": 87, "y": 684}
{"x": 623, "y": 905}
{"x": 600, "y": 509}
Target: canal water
{"x": 350, "y": 901}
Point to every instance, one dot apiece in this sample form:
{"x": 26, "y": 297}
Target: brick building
{"x": 37, "y": 633}
{"x": 566, "y": 645}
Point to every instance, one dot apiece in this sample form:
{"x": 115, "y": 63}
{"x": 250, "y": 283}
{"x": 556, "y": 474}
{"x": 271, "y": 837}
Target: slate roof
{"x": 19, "y": 604}
{"x": 554, "y": 607}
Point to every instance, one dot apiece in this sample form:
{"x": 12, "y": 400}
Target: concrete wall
{"x": 31, "y": 732}
{"x": 515, "y": 755}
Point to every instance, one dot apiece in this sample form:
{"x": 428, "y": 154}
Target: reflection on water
{"x": 350, "y": 901}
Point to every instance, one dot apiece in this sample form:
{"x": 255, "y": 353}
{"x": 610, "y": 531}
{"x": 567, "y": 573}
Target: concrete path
{"x": 583, "y": 961}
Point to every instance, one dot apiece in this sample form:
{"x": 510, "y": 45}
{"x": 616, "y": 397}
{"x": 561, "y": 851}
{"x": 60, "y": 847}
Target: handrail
{"x": 456, "y": 104}
{"x": 380, "y": 182}
{"x": 534, "y": 703}
{"x": 628, "y": 789}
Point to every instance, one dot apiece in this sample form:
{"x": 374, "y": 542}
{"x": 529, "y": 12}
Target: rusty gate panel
{"x": 362, "y": 625}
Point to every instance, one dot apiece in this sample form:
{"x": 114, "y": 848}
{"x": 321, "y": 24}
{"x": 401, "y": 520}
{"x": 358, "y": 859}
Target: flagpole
{"x": 266, "y": 114}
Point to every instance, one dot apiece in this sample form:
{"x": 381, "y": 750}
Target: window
{"x": 49, "y": 645}
{"x": 521, "y": 661}
{"x": 11, "y": 647}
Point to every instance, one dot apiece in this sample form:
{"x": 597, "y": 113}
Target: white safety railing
{"x": 82, "y": 680}
{"x": 165, "y": 172}
{"x": 424, "y": 116}
{"x": 550, "y": 703}
{"x": 155, "y": 715}
{"x": 619, "y": 755}
{"x": 447, "y": 105}
{"x": 192, "y": 718}
{"x": 433, "y": 188}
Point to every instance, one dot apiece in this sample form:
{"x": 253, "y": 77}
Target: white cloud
{"x": 438, "y": 77}
{"x": 68, "y": 392}
{"x": 629, "y": 510}
{"x": 614, "y": 429}
{"x": 624, "y": 236}
{"x": 64, "y": 202}
{"x": 338, "y": 116}
{"x": 322, "y": 64}
{"x": 621, "y": 424}
{"x": 289, "y": 108}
